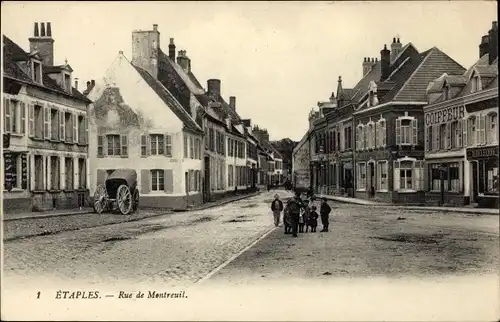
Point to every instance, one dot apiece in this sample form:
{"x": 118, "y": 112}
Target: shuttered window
{"x": 157, "y": 180}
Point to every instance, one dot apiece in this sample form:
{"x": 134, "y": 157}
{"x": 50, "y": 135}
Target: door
{"x": 372, "y": 179}
{"x": 206, "y": 180}
{"x": 475, "y": 181}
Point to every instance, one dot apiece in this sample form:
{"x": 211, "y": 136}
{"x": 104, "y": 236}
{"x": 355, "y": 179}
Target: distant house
{"x": 46, "y": 165}
{"x": 138, "y": 123}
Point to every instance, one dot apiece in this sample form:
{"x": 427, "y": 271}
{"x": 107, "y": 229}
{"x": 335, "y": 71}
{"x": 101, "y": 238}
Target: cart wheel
{"x": 124, "y": 199}
{"x": 100, "y": 199}
{"x": 135, "y": 203}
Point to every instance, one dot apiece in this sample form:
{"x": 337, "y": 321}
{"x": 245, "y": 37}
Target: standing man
{"x": 295, "y": 204}
{"x": 277, "y": 208}
{"x": 325, "y": 213}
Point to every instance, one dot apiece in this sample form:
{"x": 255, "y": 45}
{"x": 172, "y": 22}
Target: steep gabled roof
{"x": 434, "y": 63}
{"x": 486, "y": 71}
{"x": 169, "y": 100}
{"x": 13, "y": 53}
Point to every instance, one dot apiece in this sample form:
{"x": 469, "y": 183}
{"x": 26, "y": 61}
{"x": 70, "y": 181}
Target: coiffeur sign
{"x": 445, "y": 115}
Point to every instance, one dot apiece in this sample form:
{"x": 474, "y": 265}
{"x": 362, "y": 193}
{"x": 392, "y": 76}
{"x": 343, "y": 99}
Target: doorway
{"x": 475, "y": 181}
{"x": 371, "y": 168}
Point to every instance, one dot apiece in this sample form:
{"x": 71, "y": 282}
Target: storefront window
{"x": 491, "y": 176}
{"x": 361, "y": 176}
{"x": 454, "y": 184}
{"x": 435, "y": 177}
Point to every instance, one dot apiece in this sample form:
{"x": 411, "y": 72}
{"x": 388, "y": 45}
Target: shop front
{"x": 483, "y": 162}
{"x": 446, "y": 182}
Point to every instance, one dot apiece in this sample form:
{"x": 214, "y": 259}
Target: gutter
{"x": 374, "y": 108}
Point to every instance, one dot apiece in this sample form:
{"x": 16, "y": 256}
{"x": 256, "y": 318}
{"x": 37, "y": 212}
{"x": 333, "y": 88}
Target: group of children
{"x": 300, "y": 214}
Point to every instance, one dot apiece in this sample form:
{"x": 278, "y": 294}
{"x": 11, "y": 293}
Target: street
{"x": 204, "y": 249}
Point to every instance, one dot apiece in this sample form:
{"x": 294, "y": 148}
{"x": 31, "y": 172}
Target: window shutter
{"x": 100, "y": 146}
{"x": 7, "y": 114}
{"x": 448, "y": 136}
{"x": 427, "y": 138}
{"x": 396, "y": 176}
{"x": 357, "y": 138}
{"x": 23, "y": 117}
{"x": 124, "y": 146}
{"x": 460, "y": 133}
{"x": 398, "y": 131}
{"x": 414, "y": 128}
{"x": 62, "y": 126}
{"x": 75, "y": 124}
{"x": 145, "y": 182}
{"x": 46, "y": 127}
{"x": 144, "y": 145}
{"x": 31, "y": 120}
{"x": 169, "y": 181}
{"x": 101, "y": 176}
{"x": 482, "y": 129}
{"x": 417, "y": 175}
{"x": 438, "y": 137}
{"x": 384, "y": 133}
{"x": 86, "y": 124}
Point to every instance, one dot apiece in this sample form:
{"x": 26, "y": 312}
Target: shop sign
{"x": 445, "y": 115}
{"x": 24, "y": 171}
{"x": 482, "y": 152}
{"x": 8, "y": 171}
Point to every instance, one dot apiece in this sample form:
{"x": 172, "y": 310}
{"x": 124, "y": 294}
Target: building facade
{"x": 461, "y": 130}
{"x": 136, "y": 123}
{"x": 45, "y": 166}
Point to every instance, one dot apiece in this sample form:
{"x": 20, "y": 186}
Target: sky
{"x": 278, "y": 58}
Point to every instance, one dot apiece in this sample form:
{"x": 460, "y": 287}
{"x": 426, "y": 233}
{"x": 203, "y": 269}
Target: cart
{"x": 118, "y": 192}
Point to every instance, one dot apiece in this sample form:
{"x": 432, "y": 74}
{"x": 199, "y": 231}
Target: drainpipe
{"x": 354, "y": 168}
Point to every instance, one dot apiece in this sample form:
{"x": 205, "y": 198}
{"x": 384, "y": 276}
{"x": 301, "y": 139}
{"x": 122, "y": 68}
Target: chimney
{"x": 232, "y": 102}
{"x": 366, "y": 66}
{"x": 145, "y": 45}
{"x": 213, "y": 86}
{"x": 76, "y": 83}
{"x": 493, "y": 42}
{"x": 184, "y": 61}
{"x": 395, "y": 49}
{"x": 484, "y": 47}
{"x": 92, "y": 83}
{"x": 385, "y": 63}
{"x": 171, "y": 49}
{"x": 43, "y": 43}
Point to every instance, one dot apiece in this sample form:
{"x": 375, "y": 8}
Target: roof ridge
{"x": 427, "y": 55}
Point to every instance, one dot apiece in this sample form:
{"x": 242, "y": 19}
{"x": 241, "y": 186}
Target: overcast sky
{"x": 279, "y": 59}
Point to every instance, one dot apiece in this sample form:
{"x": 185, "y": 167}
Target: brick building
{"x": 46, "y": 165}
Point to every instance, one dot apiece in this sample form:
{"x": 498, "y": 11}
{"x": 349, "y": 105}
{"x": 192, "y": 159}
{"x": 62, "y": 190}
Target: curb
{"x": 461, "y": 211}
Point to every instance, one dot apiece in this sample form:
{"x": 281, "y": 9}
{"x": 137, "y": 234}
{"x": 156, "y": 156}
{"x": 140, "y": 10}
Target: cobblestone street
{"x": 174, "y": 249}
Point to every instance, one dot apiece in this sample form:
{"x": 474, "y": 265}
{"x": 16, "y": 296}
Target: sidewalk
{"x": 39, "y": 224}
{"x": 364, "y": 202}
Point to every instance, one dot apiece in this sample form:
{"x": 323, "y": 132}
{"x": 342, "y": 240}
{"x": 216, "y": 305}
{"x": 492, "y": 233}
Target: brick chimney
{"x": 145, "y": 45}
{"x": 232, "y": 102}
{"x": 184, "y": 61}
{"x": 484, "y": 47}
{"x": 171, "y": 49}
{"x": 213, "y": 86}
{"x": 385, "y": 63}
{"x": 395, "y": 49}
{"x": 366, "y": 66}
{"x": 493, "y": 42}
{"x": 43, "y": 42}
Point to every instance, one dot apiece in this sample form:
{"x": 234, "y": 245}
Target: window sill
{"x": 54, "y": 190}
{"x": 382, "y": 190}
{"x": 407, "y": 191}
{"x": 38, "y": 191}
{"x": 68, "y": 190}
{"x": 19, "y": 135}
{"x": 361, "y": 190}
{"x": 14, "y": 190}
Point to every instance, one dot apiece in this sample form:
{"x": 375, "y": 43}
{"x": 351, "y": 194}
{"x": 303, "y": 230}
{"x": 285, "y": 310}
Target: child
{"x": 325, "y": 213}
{"x": 277, "y": 208}
{"x": 301, "y": 221}
{"x": 312, "y": 220}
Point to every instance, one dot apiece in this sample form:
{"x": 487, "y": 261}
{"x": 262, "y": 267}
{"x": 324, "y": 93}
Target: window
{"x": 67, "y": 82}
{"x": 186, "y": 147}
{"x": 168, "y": 146}
{"x": 14, "y": 116}
{"x": 39, "y": 124}
{"x": 443, "y": 135}
{"x": 68, "y": 162}
{"x": 450, "y": 180}
{"x": 435, "y": 177}
{"x": 492, "y": 128}
{"x": 82, "y": 173}
{"x": 157, "y": 180}
{"x": 37, "y": 72}
{"x": 492, "y": 177}
{"x": 82, "y": 129}
{"x": 191, "y": 148}
{"x": 381, "y": 133}
{"x": 68, "y": 121}
{"x": 211, "y": 136}
{"x": 456, "y": 134}
{"x": 476, "y": 84}
{"x": 361, "y": 176}
{"x": 406, "y": 131}
{"x": 471, "y": 131}
{"x": 382, "y": 176}
{"x": 55, "y": 172}
{"x": 54, "y": 123}
{"x": 348, "y": 137}
{"x": 157, "y": 144}
{"x": 39, "y": 173}
{"x": 371, "y": 135}
{"x": 454, "y": 177}
{"x": 360, "y": 139}
{"x": 114, "y": 146}
{"x": 405, "y": 175}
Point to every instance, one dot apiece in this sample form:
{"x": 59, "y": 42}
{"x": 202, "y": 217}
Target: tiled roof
{"x": 12, "y": 53}
{"x": 434, "y": 63}
{"x": 170, "y": 100}
{"x": 361, "y": 87}
{"x": 487, "y": 72}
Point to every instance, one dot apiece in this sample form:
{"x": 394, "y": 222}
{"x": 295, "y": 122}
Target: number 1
{"x": 38, "y": 295}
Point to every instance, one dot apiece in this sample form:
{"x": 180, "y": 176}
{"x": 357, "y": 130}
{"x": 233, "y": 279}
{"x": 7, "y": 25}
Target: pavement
{"x": 23, "y": 225}
{"x": 364, "y": 202}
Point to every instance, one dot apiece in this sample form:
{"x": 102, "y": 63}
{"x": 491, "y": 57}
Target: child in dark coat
{"x": 325, "y": 214}
{"x": 312, "y": 220}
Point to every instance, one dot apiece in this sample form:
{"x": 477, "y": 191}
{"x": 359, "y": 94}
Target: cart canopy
{"x": 129, "y": 175}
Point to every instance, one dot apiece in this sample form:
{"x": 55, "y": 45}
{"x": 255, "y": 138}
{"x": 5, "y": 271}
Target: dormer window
{"x": 446, "y": 91}
{"x": 475, "y": 84}
{"x": 36, "y": 71}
